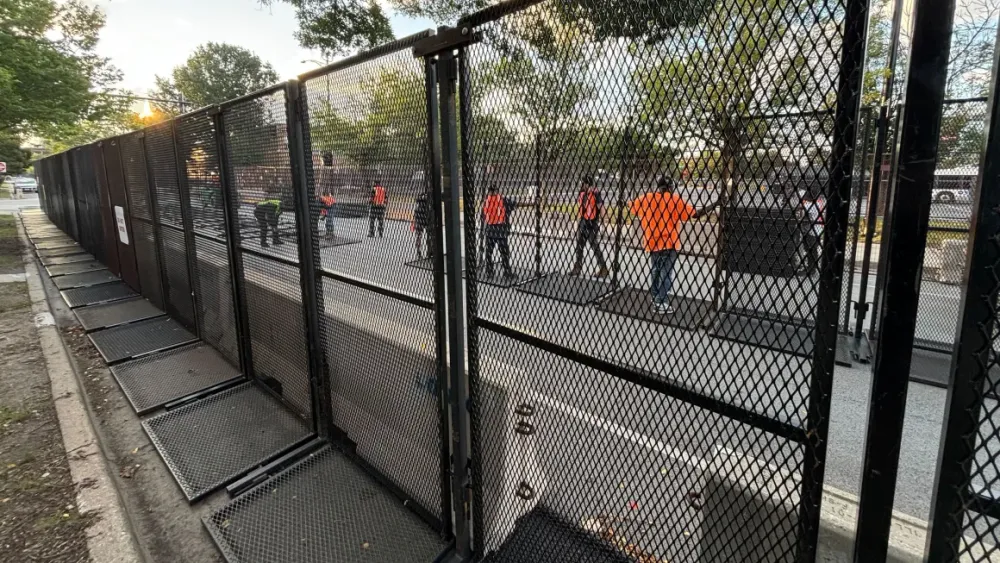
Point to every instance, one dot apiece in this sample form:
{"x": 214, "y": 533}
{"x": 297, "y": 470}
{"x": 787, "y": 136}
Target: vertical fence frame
{"x": 306, "y": 231}
{"x": 231, "y": 224}
{"x": 153, "y": 210}
{"x": 184, "y": 197}
{"x": 918, "y": 144}
{"x": 973, "y": 345}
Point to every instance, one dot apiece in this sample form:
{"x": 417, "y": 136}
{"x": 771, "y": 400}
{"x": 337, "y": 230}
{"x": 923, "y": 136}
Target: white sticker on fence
{"x": 122, "y": 229}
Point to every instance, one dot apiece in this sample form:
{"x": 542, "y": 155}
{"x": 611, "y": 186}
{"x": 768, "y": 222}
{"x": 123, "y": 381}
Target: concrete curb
{"x": 109, "y": 538}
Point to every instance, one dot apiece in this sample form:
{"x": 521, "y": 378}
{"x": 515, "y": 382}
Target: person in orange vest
{"x": 326, "y": 211}
{"x": 588, "y": 229}
{"x": 496, "y": 230}
{"x": 376, "y": 210}
{"x": 660, "y": 213}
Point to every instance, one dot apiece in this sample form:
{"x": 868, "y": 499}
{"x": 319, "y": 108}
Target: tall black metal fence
{"x": 562, "y": 283}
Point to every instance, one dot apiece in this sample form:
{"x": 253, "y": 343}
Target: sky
{"x": 144, "y": 38}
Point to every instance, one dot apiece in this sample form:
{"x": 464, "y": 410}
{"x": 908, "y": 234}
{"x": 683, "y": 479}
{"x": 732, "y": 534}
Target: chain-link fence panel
{"x": 177, "y": 291}
{"x": 371, "y": 209}
{"x": 259, "y": 174}
{"x": 653, "y": 383}
{"x": 147, "y": 251}
{"x": 199, "y": 158}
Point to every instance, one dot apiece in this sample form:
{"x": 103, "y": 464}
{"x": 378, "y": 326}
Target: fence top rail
{"x": 273, "y": 89}
{"x": 497, "y": 11}
{"x": 374, "y": 53}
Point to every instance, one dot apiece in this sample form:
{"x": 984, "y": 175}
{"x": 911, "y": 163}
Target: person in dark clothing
{"x": 267, "y": 213}
{"x": 422, "y": 216}
{"x": 588, "y": 230}
{"x": 496, "y": 231}
{"x": 376, "y": 210}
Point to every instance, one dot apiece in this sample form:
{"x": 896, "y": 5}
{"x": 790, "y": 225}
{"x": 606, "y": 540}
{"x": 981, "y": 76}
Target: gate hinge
{"x": 446, "y": 38}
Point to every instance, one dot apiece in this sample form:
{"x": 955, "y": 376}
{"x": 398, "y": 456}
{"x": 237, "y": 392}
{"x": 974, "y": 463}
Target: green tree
{"x": 50, "y": 75}
{"x": 214, "y": 73}
{"x": 18, "y": 160}
{"x": 338, "y": 27}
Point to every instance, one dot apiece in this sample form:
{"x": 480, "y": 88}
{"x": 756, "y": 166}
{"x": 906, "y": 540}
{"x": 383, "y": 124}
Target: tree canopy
{"x": 214, "y": 73}
{"x": 338, "y": 27}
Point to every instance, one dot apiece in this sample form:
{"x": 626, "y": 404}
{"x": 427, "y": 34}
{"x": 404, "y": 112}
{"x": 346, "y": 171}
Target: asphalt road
{"x": 10, "y": 205}
{"x": 587, "y": 405}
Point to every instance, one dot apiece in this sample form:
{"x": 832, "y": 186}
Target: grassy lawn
{"x": 10, "y": 248}
{"x": 5, "y": 193}
{"x": 934, "y": 237}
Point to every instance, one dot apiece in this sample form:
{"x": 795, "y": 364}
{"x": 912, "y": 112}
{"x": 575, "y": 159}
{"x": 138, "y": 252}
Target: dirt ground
{"x": 39, "y": 519}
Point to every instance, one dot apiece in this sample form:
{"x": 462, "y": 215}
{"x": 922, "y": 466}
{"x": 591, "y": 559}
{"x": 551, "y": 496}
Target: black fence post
{"x": 620, "y": 203}
{"x": 974, "y": 342}
{"x": 448, "y": 71}
{"x": 153, "y": 213}
{"x": 184, "y": 198}
{"x": 538, "y": 204}
{"x": 230, "y": 214}
{"x": 312, "y": 305}
{"x": 856, "y": 228}
{"x": 435, "y": 245}
{"x": 909, "y": 208}
{"x": 835, "y": 222}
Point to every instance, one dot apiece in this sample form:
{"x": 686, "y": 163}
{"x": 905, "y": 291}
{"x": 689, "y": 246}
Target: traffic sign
{"x": 3, "y": 167}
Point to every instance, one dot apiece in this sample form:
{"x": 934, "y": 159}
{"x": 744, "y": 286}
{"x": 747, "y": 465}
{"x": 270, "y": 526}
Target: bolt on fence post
{"x": 435, "y": 244}
{"x": 973, "y": 345}
{"x": 835, "y": 220}
{"x": 918, "y": 147}
{"x": 184, "y": 198}
{"x": 153, "y": 213}
{"x": 230, "y": 213}
{"x": 448, "y": 78}
{"x": 312, "y": 304}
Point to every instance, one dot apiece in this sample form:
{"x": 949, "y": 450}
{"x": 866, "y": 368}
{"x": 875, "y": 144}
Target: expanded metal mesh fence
{"x": 258, "y": 170}
{"x": 147, "y": 248}
{"x": 653, "y": 396}
{"x": 372, "y": 216}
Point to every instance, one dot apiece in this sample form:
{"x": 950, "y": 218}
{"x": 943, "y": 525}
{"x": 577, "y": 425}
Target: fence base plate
{"x": 578, "y": 291}
{"x": 215, "y": 440}
{"x": 104, "y": 293}
{"x": 84, "y": 279}
{"x": 689, "y": 313}
{"x": 786, "y": 337}
{"x": 72, "y": 259}
{"x": 115, "y": 313}
{"x": 139, "y": 339}
{"x": 158, "y": 379}
{"x": 542, "y": 536}
{"x": 74, "y": 268}
{"x": 322, "y": 509}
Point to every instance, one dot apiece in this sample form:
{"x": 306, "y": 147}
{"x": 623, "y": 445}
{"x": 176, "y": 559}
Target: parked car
{"x": 26, "y": 185}
{"x": 953, "y": 186}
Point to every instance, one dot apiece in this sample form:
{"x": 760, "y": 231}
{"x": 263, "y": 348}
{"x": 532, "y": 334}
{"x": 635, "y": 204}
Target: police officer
{"x": 496, "y": 230}
{"x": 376, "y": 210}
{"x": 267, "y": 213}
{"x": 588, "y": 229}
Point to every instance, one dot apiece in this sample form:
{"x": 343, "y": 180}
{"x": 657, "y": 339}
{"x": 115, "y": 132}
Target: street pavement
{"x": 11, "y": 205}
{"x": 764, "y": 381}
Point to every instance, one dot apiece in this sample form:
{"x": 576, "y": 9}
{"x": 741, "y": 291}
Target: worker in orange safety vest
{"x": 326, "y": 211}
{"x": 496, "y": 231}
{"x": 376, "y": 210}
{"x": 588, "y": 229}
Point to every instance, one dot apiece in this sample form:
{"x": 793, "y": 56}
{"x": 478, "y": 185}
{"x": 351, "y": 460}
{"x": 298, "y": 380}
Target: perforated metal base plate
{"x": 139, "y": 339}
{"x": 75, "y": 268}
{"x": 498, "y": 279}
{"x": 689, "y": 314}
{"x": 542, "y": 536}
{"x": 105, "y": 293}
{"x": 51, "y": 239}
{"x": 322, "y": 509}
{"x": 426, "y": 264}
{"x": 328, "y": 242}
{"x": 58, "y": 252}
{"x": 84, "y": 279}
{"x": 72, "y": 259}
{"x": 56, "y": 245}
{"x": 211, "y": 442}
{"x": 161, "y": 378}
{"x": 115, "y": 313}
{"x": 772, "y": 335}
{"x": 569, "y": 289}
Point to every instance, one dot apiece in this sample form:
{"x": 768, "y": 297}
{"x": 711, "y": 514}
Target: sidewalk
{"x": 40, "y": 519}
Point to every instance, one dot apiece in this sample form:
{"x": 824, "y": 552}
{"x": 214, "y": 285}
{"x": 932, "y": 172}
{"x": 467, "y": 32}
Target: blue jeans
{"x": 662, "y": 269}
